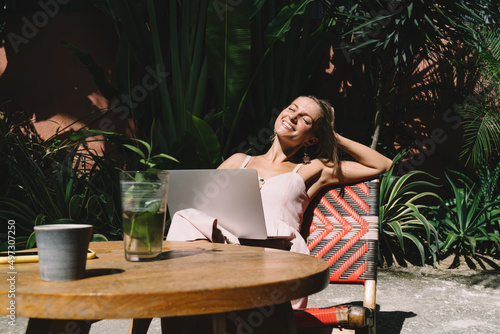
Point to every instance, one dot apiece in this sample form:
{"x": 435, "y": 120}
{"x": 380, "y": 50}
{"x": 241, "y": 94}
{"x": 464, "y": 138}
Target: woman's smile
{"x": 288, "y": 125}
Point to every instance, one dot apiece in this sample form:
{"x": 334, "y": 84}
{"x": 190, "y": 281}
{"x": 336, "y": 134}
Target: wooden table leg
{"x": 38, "y": 326}
{"x": 47, "y": 326}
{"x": 219, "y": 323}
{"x": 139, "y": 326}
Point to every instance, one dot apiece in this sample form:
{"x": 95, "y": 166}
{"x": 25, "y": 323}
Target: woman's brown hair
{"x": 326, "y": 149}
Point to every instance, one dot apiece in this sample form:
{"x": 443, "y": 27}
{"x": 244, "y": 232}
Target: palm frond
{"x": 482, "y": 117}
{"x": 481, "y": 132}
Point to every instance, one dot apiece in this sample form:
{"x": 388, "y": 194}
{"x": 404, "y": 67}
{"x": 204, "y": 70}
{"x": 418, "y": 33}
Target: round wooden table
{"x": 193, "y": 278}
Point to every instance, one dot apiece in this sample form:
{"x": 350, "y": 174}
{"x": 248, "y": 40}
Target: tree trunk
{"x": 378, "y": 111}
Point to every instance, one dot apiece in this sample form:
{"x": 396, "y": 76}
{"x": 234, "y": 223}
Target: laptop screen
{"x": 232, "y": 196}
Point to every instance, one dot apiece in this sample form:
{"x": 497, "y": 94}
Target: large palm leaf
{"x": 482, "y": 115}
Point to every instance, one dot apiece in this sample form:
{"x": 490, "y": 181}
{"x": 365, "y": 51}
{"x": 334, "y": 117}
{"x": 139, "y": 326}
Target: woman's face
{"x": 297, "y": 121}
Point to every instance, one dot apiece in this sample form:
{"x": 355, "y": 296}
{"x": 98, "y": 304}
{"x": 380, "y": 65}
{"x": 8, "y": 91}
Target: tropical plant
{"x": 481, "y": 120}
{"x": 489, "y": 181}
{"x": 389, "y": 38}
{"x": 463, "y": 219}
{"x": 214, "y": 65}
{"x": 402, "y": 217}
{"x": 50, "y": 181}
{"x": 138, "y": 154}
{"x": 151, "y": 85}
{"x": 146, "y": 158}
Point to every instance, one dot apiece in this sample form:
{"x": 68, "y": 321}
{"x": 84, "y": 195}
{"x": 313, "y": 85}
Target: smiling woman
{"x": 291, "y": 178}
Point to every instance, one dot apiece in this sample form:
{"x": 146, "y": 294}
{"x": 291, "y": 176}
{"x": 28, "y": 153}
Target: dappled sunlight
{"x": 3, "y": 58}
{"x": 55, "y": 124}
{"x": 98, "y": 101}
{"x": 62, "y": 126}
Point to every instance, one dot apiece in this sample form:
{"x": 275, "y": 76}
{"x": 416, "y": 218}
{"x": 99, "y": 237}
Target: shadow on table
{"x": 177, "y": 253}
{"x": 102, "y": 272}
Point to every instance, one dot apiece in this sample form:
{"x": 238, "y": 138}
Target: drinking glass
{"x": 144, "y": 204}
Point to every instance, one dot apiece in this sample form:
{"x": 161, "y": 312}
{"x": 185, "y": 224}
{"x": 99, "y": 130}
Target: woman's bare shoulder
{"x": 233, "y": 162}
{"x": 313, "y": 172}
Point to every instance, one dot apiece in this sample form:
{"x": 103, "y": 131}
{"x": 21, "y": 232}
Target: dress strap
{"x": 247, "y": 159}
{"x": 297, "y": 168}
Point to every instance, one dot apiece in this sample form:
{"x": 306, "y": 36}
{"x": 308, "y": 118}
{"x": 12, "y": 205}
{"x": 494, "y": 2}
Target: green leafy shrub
{"x": 53, "y": 181}
{"x": 468, "y": 220}
{"x": 490, "y": 191}
{"x": 401, "y": 216}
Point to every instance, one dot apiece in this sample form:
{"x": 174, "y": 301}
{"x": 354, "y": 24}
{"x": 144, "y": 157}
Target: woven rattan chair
{"x": 343, "y": 229}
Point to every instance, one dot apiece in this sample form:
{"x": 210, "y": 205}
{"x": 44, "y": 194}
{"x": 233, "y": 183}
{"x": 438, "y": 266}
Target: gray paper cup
{"x": 62, "y": 250}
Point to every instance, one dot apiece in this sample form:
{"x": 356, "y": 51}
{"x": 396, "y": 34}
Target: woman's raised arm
{"x": 368, "y": 163}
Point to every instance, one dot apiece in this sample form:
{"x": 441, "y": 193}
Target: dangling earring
{"x": 305, "y": 158}
{"x": 273, "y": 136}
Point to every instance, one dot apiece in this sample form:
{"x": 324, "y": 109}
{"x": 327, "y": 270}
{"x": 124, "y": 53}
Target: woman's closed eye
{"x": 305, "y": 118}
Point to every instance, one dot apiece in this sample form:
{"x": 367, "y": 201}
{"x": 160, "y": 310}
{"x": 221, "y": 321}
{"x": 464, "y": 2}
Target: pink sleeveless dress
{"x": 284, "y": 199}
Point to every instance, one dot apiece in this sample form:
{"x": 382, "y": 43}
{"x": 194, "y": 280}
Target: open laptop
{"x": 232, "y": 196}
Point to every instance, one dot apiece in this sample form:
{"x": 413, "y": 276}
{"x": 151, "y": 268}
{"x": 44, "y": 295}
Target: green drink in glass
{"x": 144, "y": 203}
